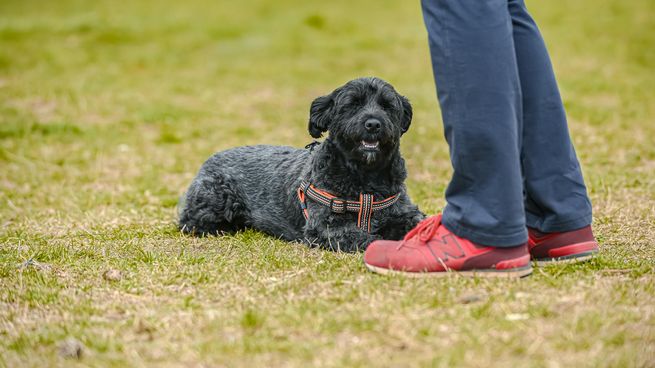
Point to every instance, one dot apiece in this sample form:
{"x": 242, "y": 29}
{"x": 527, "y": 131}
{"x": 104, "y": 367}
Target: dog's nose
{"x": 372, "y": 125}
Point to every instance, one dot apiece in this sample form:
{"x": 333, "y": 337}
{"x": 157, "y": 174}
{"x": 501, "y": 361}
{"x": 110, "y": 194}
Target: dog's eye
{"x": 385, "y": 103}
{"x": 353, "y": 101}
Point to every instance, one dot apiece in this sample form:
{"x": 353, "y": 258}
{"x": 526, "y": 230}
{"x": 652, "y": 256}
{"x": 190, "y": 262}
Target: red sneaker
{"x": 571, "y": 246}
{"x": 432, "y": 250}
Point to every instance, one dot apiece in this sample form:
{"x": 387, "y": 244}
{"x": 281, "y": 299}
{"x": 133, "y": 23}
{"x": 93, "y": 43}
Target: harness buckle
{"x": 338, "y": 205}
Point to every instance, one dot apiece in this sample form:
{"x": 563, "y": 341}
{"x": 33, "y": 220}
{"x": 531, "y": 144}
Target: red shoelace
{"x": 424, "y": 230}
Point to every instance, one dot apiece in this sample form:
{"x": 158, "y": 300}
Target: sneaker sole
{"x": 491, "y": 273}
{"x": 573, "y": 258}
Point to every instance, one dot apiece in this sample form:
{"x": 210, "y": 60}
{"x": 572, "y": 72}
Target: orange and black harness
{"x": 365, "y": 206}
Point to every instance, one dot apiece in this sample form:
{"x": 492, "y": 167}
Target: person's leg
{"x": 482, "y": 231}
{"x": 477, "y": 80}
{"x": 555, "y": 194}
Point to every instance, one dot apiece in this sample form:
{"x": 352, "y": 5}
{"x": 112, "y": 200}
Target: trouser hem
{"x": 492, "y": 240}
{"x": 558, "y": 226}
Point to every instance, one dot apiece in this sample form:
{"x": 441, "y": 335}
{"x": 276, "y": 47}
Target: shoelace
{"x": 424, "y": 230}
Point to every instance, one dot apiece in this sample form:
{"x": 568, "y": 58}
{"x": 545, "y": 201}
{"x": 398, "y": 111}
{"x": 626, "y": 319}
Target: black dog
{"x": 340, "y": 194}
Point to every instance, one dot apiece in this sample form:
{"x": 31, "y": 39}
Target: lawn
{"x": 107, "y": 110}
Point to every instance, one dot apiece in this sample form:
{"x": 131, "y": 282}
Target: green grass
{"x": 107, "y": 110}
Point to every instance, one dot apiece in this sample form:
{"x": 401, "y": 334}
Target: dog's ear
{"x": 406, "y": 118}
{"x": 320, "y": 115}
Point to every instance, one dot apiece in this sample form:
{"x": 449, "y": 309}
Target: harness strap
{"x": 365, "y": 212}
{"x": 364, "y": 207}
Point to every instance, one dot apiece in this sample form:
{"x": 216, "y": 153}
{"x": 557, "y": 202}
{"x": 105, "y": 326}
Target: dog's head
{"x": 365, "y": 119}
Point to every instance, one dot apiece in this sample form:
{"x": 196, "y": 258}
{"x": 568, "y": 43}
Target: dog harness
{"x": 364, "y": 207}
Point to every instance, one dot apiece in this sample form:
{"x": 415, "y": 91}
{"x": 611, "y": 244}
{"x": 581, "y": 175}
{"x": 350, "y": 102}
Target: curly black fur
{"x": 255, "y": 186}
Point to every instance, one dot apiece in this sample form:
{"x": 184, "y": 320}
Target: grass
{"x": 107, "y": 111}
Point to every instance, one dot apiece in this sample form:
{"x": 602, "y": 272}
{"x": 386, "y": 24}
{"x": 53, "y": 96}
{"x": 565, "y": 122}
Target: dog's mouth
{"x": 370, "y": 145}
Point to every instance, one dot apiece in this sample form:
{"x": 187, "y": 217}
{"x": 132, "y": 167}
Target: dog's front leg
{"x": 400, "y": 223}
{"x": 344, "y": 238}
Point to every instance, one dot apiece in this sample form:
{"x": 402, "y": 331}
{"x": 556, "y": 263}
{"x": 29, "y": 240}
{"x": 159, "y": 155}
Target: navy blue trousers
{"x": 513, "y": 161}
